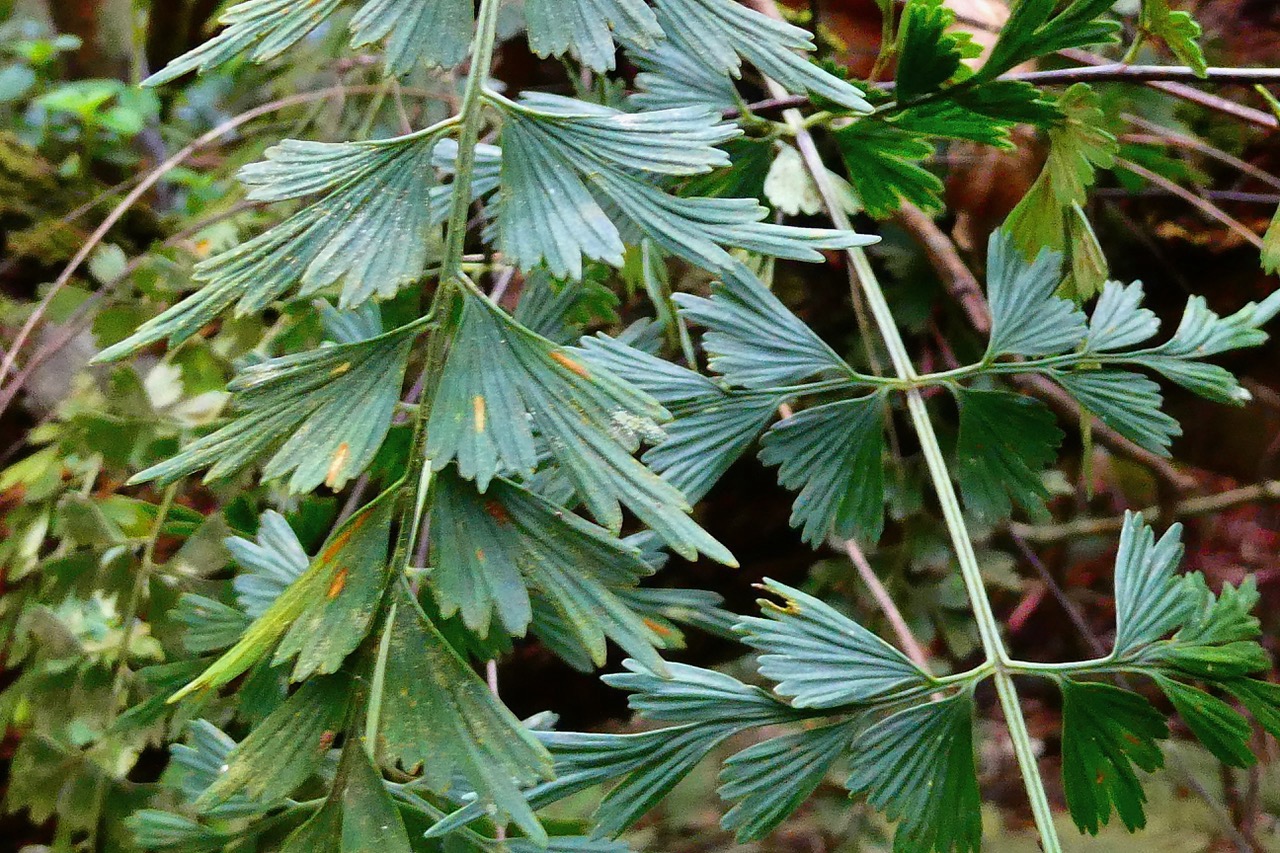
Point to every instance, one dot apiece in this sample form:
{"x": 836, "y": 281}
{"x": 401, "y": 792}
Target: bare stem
{"x": 470, "y": 116}
{"x": 1104, "y": 72}
{"x": 988, "y": 627}
{"x": 906, "y": 637}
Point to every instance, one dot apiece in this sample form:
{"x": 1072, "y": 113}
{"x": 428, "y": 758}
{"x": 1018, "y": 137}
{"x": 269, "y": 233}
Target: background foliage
{"x": 126, "y": 575}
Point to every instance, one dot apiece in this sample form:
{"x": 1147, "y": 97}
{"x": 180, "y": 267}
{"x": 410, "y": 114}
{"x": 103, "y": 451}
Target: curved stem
{"x": 988, "y": 627}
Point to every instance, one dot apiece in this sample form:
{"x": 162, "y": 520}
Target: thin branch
{"x": 1189, "y": 508}
{"x": 1120, "y": 73}
{"x": 906, "y": 637}
{"x": 1229, "y": 196}
{"x": 1205, "y": 206}
{"x": 1191, "y": 143}
{"x": 1191, "y": 94}
{"x": 1172, "y": 79}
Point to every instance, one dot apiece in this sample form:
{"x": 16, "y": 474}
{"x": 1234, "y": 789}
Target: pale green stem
{"x": 988, "y": 627}
{"x": 373, "y": 712}
{"x": 132, "y": 605}
{"x": 470, "y": 114}
{"x": 134, "y": 602}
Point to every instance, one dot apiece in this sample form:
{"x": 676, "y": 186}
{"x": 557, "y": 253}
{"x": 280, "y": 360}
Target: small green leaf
{"x": 1262, "y": 698}
{"x": 332, "y": 625}
{"x": 1223, "y": 618}
{"x": 754, "y": 340}
{"x": 1221, "y": 729}
{"x": 1127, "y": 402}
{"x": 437, "y": 714}
{"x": 1178, "y": 30}
{"x": 1106, "y": 731}
{"x": 319, "y": 831}
{"x": 715, "y": 33}
{"x": 370, "y": 821}
{"x": 884, "y": 167}
{"x": 713, "y": 427}
{"x": 1088, "y": 269}
{"x": 262, "y": 30}
{"x": 1049, "y": 215}
{"x": 157, "y": 830}
{"x": 437, "y": 33}
{"x": 210, "y": 625}
{"x": 554, "y": 147}
{"x": 928, "y": 54}
{"x": 1212, "y": 663}
{"x": 1027, "y": 318}
{"x": 363, "y": 189}
{"x": 501, "y": 382}
{"x": 287, "y": 747}
{"x": 1271, "y": 246}
{"x": 569, "y": 844}
{"x": 589, "y": 28}
{"x": 1151, "y": 601}
{"x": 1119, "y": 320}
{"x": 322, "y": 414}
{"x": 771, "y": 779}
{"x": 1037, "y": 28}
{"x": 833, "y": 455}
{"x": 197, "y": 764}
{"x": 917, "y": 766}
{"x": 488, "y": 547}
{"x": 669, "y": 77}
{"x": 692, "y": 694}
{"x": 821, "y": 658}
{"x": 1005, "y": 442}
{"x": 647, "y": 765}
{"x": 271, "y": 563}
{"x": 355, "y": 555}
{"x": 702, "y": 444}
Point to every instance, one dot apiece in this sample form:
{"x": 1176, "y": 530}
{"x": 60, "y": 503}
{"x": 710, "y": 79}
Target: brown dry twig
{"x": 1205, "y": 206}
{"x": 1189, "y": 508}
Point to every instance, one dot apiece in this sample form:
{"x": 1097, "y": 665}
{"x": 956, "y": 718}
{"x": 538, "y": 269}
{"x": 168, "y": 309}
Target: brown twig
{"x": 1205, "y": 206}
{"x": 1188, "y": 508}
{"x": 1191, "y": 94}
{"x": 1171, "y": 79}
{"x": 906, "y": 637}
{"x": 1232, "y": 196}
{"x": 1191, "y": 143}
{"x": 944, "y": 257}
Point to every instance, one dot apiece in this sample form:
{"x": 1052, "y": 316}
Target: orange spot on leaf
{"x": 569, "y": 364}
{"x": 336, "y": 464}
{"x": 340, "y": 541}
{"x": 657, "y": 628}
{"x": 336, "y": 585}
{"x": 478, "y": 412}
{"x": 497, "y": 511}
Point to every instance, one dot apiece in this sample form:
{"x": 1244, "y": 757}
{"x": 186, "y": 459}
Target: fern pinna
{"x": 502, "y": 512}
